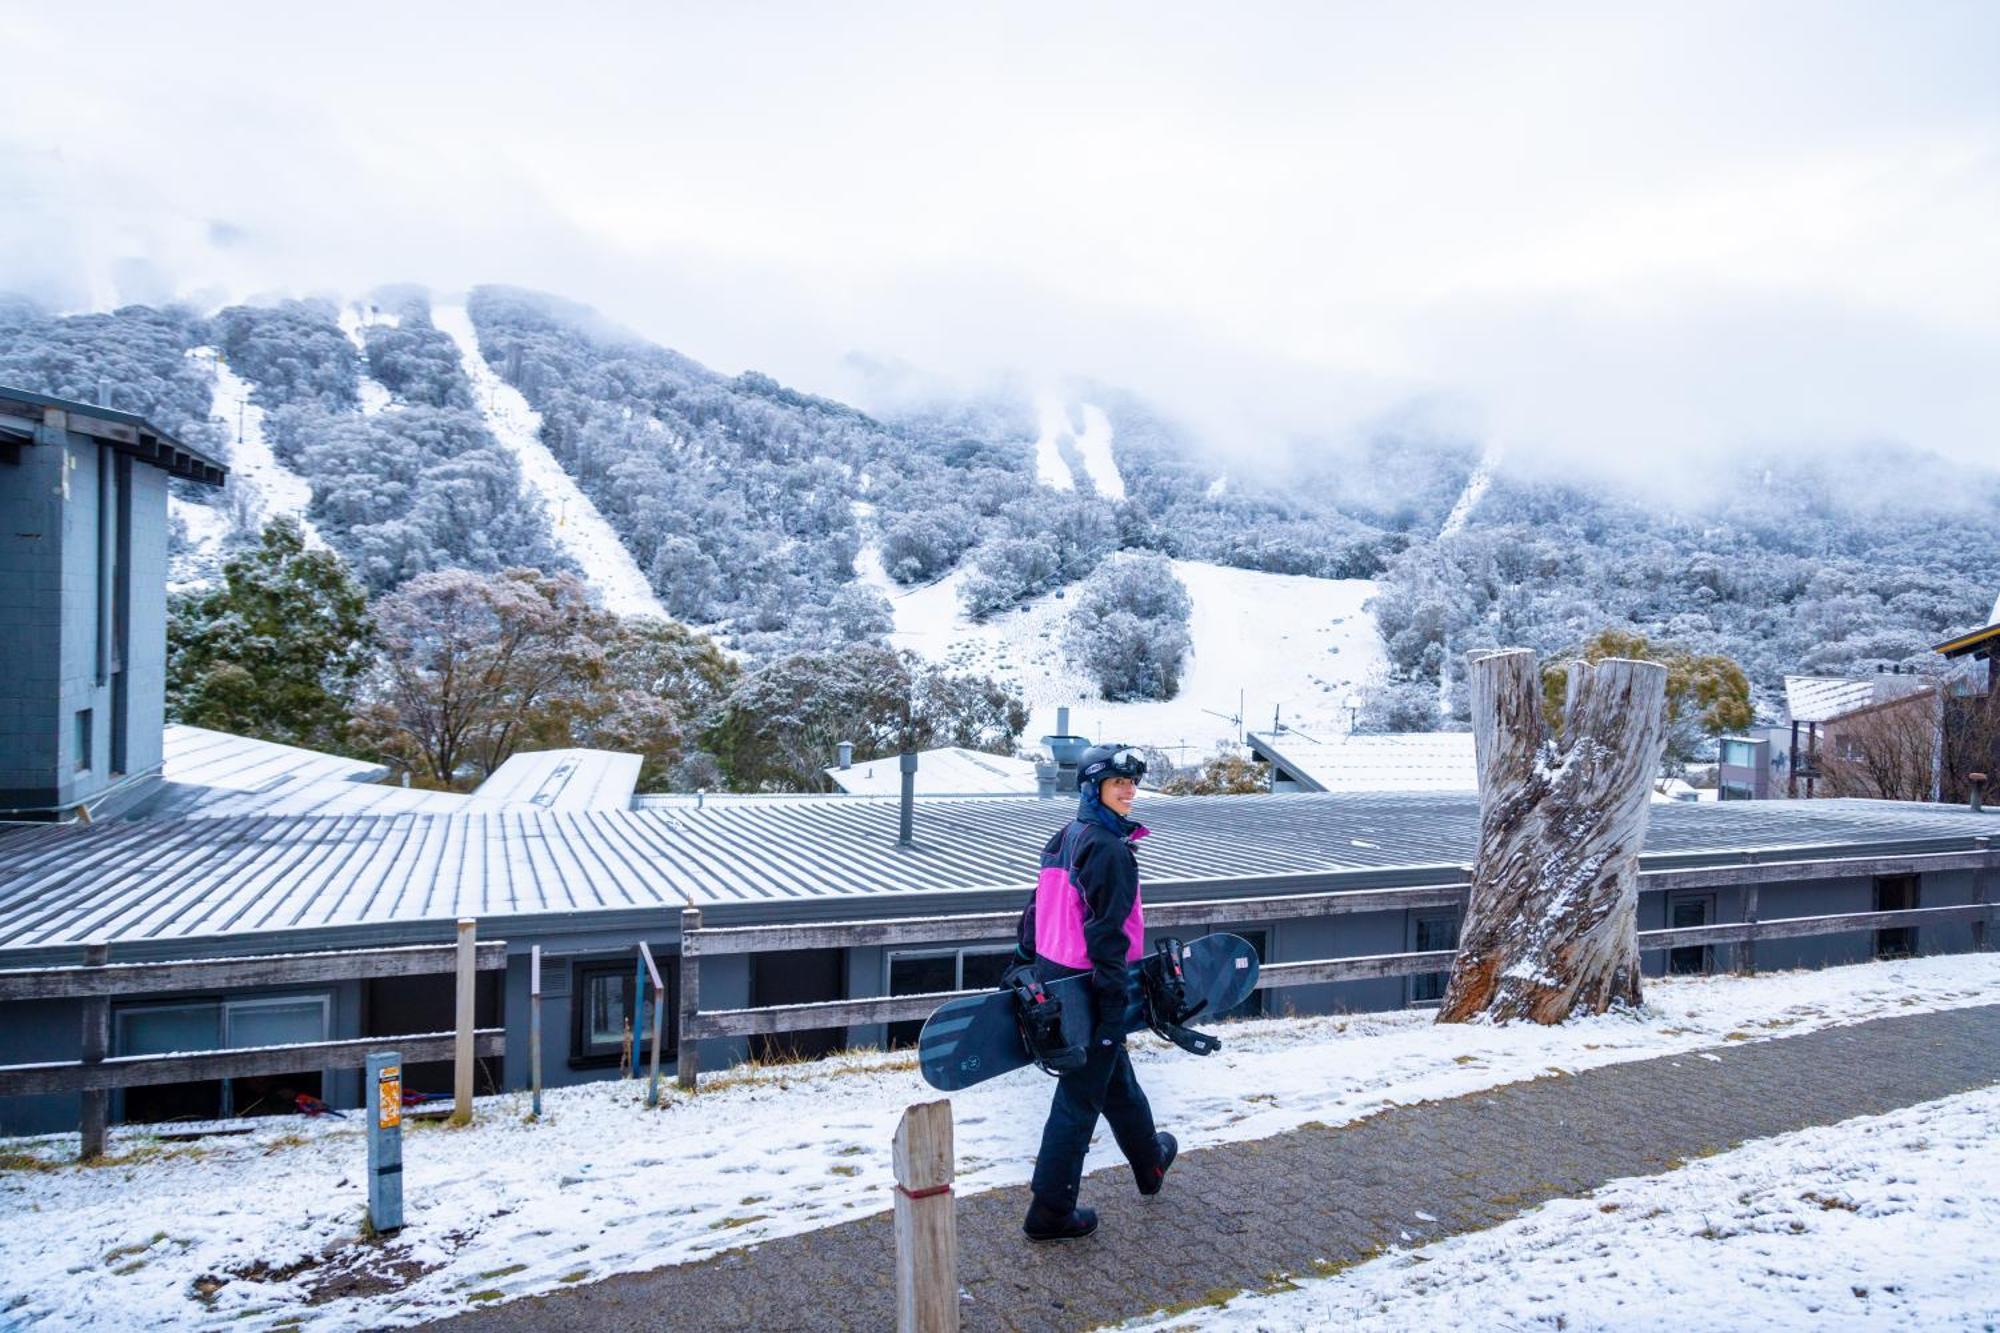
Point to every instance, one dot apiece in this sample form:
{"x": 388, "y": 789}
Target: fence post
{"x": 659, "y": 1021}
{"x": 535, "y": 1027}
{"x": 690, "y": 1056}
{"x": 385, "y": 1140}
{"x": 926, "y": 1222}
{"x": 96, "y": 1045}
{"x": 1979, "y": 878}
{"x": 461, "y": 1068}
{"x": 1749, "y": 950}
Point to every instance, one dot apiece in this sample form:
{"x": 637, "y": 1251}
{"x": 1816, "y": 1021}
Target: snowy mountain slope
{"x": 353, "y": 320}
{"x": 602, "y": 1185}
{"x": 1262, "y": 642}
{"x": 1091, "y": 445}
{"x": 1476, "y": 487}
{"x": 260, "y": 487}
{"x": 1051, "y": 469}
{"x": 579, "y": 528}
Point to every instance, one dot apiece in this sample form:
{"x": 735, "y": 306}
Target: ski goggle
{"x": 1124, "y": 764}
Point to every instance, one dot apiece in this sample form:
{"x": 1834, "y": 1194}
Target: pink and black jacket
{"x": 1087, "y": 914}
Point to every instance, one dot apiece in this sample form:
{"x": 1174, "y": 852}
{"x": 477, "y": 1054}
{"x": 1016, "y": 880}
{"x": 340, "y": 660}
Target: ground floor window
{"x": 1434, "y": 932}
{"x": 611, "y": 1012}
{"x": 1683, "y": 913}
{"x": 1896, "y": 893}
{"x": 221, "y": 1024}
{"x": 941, "y": 970}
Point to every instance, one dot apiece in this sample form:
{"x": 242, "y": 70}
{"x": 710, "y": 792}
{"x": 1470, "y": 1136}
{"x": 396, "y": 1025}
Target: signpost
{"x": 385, "y": 1141}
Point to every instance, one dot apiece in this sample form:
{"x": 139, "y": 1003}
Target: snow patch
{"x": 354, "y": 319}
{"x": 1050, "y": 469}
{"x": 602, "y": 1185}
{"x": 578, "y": 526}
{"x": 1475, "y": 490}
{"x": 1093, "y": 447}
{"x": 260, "y": 487}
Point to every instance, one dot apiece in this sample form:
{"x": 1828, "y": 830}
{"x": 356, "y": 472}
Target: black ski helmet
{"x": 1108, "y": 761}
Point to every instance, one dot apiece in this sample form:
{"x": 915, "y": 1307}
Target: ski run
{"x": 602, "y": 1185}
{"x": 577, "y": 525}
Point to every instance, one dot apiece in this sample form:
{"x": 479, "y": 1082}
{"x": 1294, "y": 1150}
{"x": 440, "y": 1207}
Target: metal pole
{"x": 96, "y": 1045}
{"x": 461, "y": 1071}
{"x": 908, "y": 760}
{"x": 659, "y": 1020}
{"x": 535, "y": 1027}
{"x": 385, "y": 1141}
{"x": 690, "y": 1049}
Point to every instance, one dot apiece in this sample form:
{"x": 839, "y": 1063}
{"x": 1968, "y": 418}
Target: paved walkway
{"x": 1238, "y": 1215}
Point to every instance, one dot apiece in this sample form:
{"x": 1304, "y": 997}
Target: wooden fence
{"x": 698, "y": 942}
{"x": 98, "y": 980}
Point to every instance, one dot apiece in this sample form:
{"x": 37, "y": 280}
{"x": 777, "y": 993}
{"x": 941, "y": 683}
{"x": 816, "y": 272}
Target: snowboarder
{"x": 1086, "y": 916}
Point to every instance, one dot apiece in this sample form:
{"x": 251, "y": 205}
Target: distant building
{"x": 1815, "y": 707}
{"x": 950, "y": 771}
{"x": 1429, "y": 761}
{"x": 83, "y": 614}
{"x": 1972, "y": 708}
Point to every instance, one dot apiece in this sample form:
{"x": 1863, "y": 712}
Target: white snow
{"x": 578, "y": 526}
{"x": 1475, "y": 490}
{"x": 1050, "y": 469}
{"x": 1269, "y": 643}
{"x": 603, "y": 1185}
{"x": 1093, "y": 447}
{"x": 354, "y": 318}
{"x": 1875, "y": 1222}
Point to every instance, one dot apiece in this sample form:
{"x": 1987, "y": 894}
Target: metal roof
{"x": 1825, "y": 698}
{"x": 568, "y": 780}
{"x": 1437, "y": 761}
{"x": 172, "y": 889}
{"x": 944, "y": 772}
{"x": 123, "y": 431}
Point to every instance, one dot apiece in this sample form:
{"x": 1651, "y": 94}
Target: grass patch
{"x": 27, "y": 1161}
{"x": 112, "y": 1256}
{"x": 578, "y": 1276}
{"x": 481, "y": 1297}
{"x": 731, "y": 1223}
{"x": 851, "y": 1150}
{"x": 508, "y": 1271}
{"x": 845, "y": 1170}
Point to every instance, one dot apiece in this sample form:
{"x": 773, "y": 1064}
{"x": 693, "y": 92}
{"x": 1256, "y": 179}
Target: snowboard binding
{"x": 1040, "y": 1016}
{"x": 1167, "y": 1009}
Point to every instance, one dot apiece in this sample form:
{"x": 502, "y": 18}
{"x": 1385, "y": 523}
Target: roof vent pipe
{"x": 908, "y": 815}
{"x": 846, "y": 750}
{"x": 1045, "y": 780}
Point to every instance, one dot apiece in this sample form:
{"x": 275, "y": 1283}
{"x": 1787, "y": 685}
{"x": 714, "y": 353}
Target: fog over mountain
{"x": 1625, "y": 241}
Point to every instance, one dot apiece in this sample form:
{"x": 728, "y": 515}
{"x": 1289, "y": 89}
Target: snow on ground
{"x": 578, "y": 527}
{"x": 1092, "y": 445}
{"x": 1278, "y": 642}
{"x": 1875, "y": 1222}
{"x": 354, "y": 319}
{"x": 602, "y": 1185}
{"x": 1475, "y": 490}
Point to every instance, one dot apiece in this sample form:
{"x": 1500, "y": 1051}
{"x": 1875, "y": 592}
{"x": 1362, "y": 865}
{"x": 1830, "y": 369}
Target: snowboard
{"x": 970, "y": 1040}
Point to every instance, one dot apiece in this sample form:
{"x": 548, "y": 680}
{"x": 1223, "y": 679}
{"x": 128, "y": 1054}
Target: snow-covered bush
{"x": 1129, "y": 628}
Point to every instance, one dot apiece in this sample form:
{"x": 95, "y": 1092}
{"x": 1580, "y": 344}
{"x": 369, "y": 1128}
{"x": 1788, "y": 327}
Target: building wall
{"x": 31, "y": 535}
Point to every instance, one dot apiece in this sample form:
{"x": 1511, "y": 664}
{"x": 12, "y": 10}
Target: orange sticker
{"x": 389, "y": 1096}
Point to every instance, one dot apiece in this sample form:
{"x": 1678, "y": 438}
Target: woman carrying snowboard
{"x": 1086, "y": 916}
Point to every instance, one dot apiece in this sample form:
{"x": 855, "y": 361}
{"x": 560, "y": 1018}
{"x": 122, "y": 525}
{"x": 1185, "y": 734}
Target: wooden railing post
{"x": 96, "y": 1045}
{"x": 690, "y": 1055}
{"x": 1979, "y": 878}
{"x": 535, "y": 1028}
{"x": 1747, "y": 951}
{"x": 926, "y": 1222}
{"x": 461, "y": 1066}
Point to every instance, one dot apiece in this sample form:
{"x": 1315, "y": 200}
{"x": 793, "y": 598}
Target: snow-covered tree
{"x": 1129, "y": 628}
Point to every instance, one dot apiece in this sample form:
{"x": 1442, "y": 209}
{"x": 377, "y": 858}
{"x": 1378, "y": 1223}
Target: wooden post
{"x": 1979, "y": 878}
{"x": 1746, "y": 955}
{"x": 659, "y": 1021}
{"x": 461, "y": 1066}
{"x": 926, "y": 1222}
{"x": 96, "y": 1045}
{"x": 535, "y": 1028}
{"x": 690, "y": 1056}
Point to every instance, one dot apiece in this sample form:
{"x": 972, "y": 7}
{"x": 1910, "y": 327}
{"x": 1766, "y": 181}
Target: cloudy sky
{"x": 1602, "y": 231}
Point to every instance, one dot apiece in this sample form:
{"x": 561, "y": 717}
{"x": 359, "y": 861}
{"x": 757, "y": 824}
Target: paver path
{"x": 1237, "y": 1215}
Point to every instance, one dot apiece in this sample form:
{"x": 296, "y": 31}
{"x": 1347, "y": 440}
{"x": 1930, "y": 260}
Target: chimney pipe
{"x": 846, "y": 749}
{"x": 908, "y": 815}
{"x": 1977, "y": 781}
{"x": 1045, "y": 781}
{"x": 1062, "y": 721}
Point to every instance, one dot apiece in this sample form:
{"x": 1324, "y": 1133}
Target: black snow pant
{"x": 1104, "y": 1086}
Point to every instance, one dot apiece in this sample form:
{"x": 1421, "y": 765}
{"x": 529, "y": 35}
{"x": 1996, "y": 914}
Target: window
{"x": 941, "y": 970}
{"x": 1693, "y": 959}
{"x": 208, "y": 1025}
{"x": 1435, "y": 931}
{"x": 1896, "y": 893}
{"x": 83, "y": 730}
{"x": 1849, "y": 748}
{"x": 1735, "y": 791}
{"x": 1739, "y": 754}
{"x": 602, "y": 1016}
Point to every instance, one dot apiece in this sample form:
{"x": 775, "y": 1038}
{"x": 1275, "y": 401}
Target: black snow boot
{"x": 1151, "y": 1177}
{"x": 1045, "y": 1223}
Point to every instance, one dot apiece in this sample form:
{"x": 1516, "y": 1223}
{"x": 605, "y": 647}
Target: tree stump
{"x": 1552, "y": 924}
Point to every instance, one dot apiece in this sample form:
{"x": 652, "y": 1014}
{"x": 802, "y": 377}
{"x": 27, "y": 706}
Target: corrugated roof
{"x": 1436, "y": 761}
{"x": 1824, "y": 698}
{"x": 943, "y": 772}
{"x": 204, "y": 758}
{"x": 189, "y": 886}
{"x": 569, "y": 780}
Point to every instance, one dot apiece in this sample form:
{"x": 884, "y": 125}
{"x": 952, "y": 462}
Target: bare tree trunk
{"x": 1552, "y": 925}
